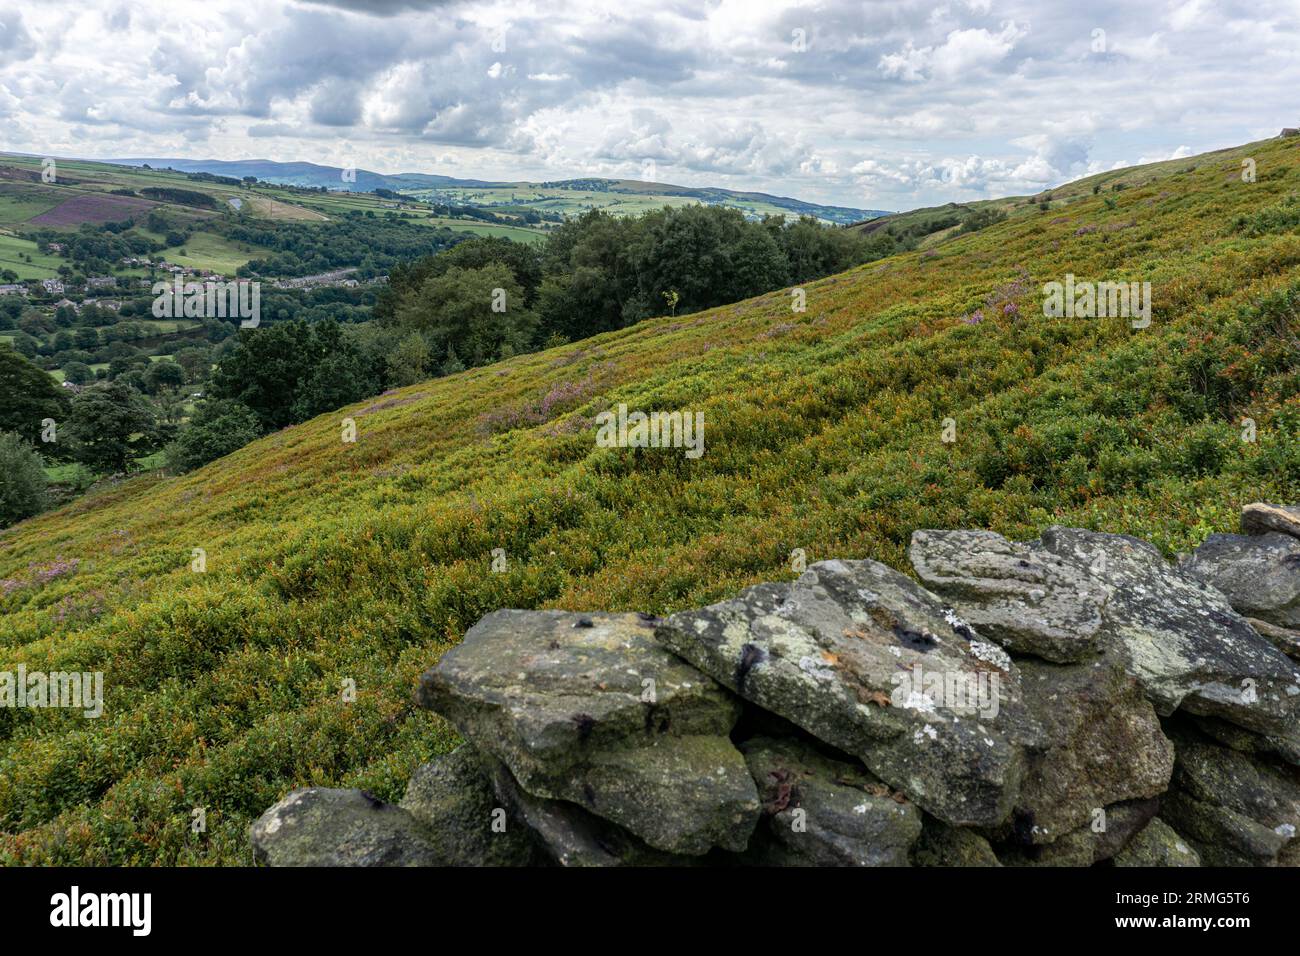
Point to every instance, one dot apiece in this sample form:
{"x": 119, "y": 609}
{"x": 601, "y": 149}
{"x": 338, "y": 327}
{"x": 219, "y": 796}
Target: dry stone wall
{"x": 1068, "y": 701}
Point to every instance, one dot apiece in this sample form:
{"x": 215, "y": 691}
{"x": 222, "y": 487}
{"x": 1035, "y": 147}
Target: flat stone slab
{"x": 324, "y": 827}
{"x": 825, "y": 812}
{"x": 1260, "y": 518}
{"x": 866, "y": 660}
{"x": 590, "y": 709}
{"x": 1259, "y": 574}
{"x": 1181, "y": 638}
{"x": 1022, "y": 596}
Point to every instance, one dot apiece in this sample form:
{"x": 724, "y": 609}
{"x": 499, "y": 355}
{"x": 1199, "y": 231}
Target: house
{"x": 52, "y": 286}
{"x": 101, "y": 282}
{"x": 12, "y": 289}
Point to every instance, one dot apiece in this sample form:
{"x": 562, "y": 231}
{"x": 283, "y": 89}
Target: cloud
{"x": 892, "y": 104}
{"x": 15, "y": 42}
{"x": 962, "y": 52}
{"x": 380, "y": 8}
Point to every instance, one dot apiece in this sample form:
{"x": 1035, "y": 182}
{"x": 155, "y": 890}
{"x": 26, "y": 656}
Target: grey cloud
{"x": 16, "y": 43}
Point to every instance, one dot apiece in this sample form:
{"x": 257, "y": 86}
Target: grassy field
{"x": 14, "y": 253}
{"x": 19, "y": 202}
{"x": 517, "y": 233}
{"x": 204, "y": 250}
{"x": 329, "y": 561}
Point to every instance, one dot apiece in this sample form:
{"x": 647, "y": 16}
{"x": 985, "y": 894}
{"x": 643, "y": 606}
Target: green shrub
{"x": 217, "y": 428}
{"x": 22, "y": 480}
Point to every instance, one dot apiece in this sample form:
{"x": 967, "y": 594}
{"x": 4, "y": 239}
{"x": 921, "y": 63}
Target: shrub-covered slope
{"x": 330, "y": 562}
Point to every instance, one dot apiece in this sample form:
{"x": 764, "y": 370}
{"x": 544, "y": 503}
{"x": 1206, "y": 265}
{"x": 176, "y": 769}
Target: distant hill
{"x": 569, "y": 195}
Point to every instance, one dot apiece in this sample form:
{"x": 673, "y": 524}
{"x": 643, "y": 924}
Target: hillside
{"x": 91, "y": 192}
{"x": 624, "y": 196}
{"x": 330, "y": 562}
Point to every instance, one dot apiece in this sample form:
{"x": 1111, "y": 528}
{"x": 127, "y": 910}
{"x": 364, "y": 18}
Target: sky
{"x": 884, "y": 104}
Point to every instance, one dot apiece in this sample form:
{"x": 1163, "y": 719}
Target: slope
{"x": 332, "y": 564}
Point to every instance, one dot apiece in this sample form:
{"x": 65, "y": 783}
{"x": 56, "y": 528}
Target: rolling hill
{"x": 571, "y": 195}
{"x": 330, "y": 564}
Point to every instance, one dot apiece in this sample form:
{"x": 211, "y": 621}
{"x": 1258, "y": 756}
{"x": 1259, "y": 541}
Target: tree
{"x": 163, "y": 375}
{"x": 338, "y": 379}
{"x": 410, "y": 360}
{"x": 292, "y": 371}
{"x": 28, "y": 396}
{"x": 196, "y": 361}
{"x": 479, "y": 313}
{"x": 216, "y": 429}
{"x": 263, "y": 371}
{"x": 110, "y": 426}
{"x": 757, "y": 265}
{"x": 22, "y": 480}
{"x": 78, "y": 373}
{"x": 524, "y": 261}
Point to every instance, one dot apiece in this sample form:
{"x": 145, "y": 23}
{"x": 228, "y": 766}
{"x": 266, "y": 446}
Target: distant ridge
{"x": 331, "y": 177}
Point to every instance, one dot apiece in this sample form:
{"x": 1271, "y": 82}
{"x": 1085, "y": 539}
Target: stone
{"x": 1235, "y": 810}
{"x": 942, "y": 845}
{"x": 452, "y": 796}
{"x": 1180, "y": 638}
{"x": 845, "y": 652}
{"x": 1101, "y": 838}
{"x": 590, "y": 709}
{"x": 567, "y": 835}
{"x": 1105, "y": 746}
{"x": 1260, "y": 518}
{"x": 1026, "y": 599}
{"x": 1284, "y": 639}
{"x": 825, "y": 812}
{"x": 323, "y": 827}
{"x": 1157, "y": 844}
{"x": 1238, "y": 738}
{"x": 1258, "y": 574}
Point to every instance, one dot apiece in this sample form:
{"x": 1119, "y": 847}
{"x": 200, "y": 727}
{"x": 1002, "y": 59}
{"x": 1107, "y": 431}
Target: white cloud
{"x": 891, "y": 104}
{"x": 961, "y": 52}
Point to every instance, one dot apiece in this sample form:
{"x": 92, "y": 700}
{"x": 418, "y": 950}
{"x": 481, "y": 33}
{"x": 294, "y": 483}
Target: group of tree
{"x": 488, "y": 298}
{"x": 362, "y": 240}
{"x": 105, "y": 428}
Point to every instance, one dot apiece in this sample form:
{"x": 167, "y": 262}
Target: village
{"x": 77, "y": 295}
